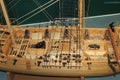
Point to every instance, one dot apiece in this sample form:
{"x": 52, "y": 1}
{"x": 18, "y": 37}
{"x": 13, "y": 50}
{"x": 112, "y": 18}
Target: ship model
{"x": 63, "y": 51}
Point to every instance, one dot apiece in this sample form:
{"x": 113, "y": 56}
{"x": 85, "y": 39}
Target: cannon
{"x": 94, "y": 46}
{"x": 41, "y": 44}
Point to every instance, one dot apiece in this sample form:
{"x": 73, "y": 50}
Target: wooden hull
{"x": 97, "y": 65}
{"x": 70, "y": 51}
{"x": 98, "y": 69}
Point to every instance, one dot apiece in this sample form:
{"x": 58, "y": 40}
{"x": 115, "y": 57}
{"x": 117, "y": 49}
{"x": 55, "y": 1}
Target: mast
{"x": 7, "y": 20}
{"x": 80, "y": 23}
{"x": 80, "y": 13}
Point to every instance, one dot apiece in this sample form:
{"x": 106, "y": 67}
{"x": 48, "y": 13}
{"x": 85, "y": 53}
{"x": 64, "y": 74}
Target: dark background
{"x": 62, "y": 9}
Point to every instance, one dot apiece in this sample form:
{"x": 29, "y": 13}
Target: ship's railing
{"x": 93, "y": 21}
{"x": 56, "y": 22}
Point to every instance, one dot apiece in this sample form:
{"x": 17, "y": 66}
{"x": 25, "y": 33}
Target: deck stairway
{"x": 4, "y": 36}
{"x": 20, "y": 51}
{"x": 22, "y": 45}
{"x": 114, "y": 44}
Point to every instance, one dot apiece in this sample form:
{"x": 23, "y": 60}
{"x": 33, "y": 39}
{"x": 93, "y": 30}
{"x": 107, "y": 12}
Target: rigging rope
{"x": 87, "y": 12}
{"x": 14, "y": 5}
{"x": 59, "y": 8}
{"x": 88, "y": 8}
{"x": 44, "y": 11}
{"x": 34, "y": 10}
{"x": 75, "y": 8}
{"x": 11, "y": 6}
{"x": 10, "y": 2}
{"x": 39, "y": 11}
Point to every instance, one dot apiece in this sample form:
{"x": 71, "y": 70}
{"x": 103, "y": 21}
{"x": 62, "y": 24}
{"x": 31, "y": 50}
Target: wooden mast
{"x": 80, "y": 23}
{"x": 7, "y": 20}
{"x": 80, "y": 13}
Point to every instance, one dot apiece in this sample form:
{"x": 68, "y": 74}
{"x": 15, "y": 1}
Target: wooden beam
{"x": 80, "y": 13}
{"x": 82, "y": 78}
{"x": 5, "y": 13}
{"x": 7, "y": 19}
{"x": 80, "y": 23}
{"x": 10, "y": 76}
{"x": 114, "y": 44}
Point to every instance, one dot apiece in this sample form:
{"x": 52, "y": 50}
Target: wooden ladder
{"x": 114, "y": 44}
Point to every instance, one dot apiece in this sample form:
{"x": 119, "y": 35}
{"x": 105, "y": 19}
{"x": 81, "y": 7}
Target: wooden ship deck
{"x": 60, "y": 55}
{"x": 70, "y": 51}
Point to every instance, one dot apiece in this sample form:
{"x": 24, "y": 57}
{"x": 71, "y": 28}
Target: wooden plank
{"x": 28, "y": 65}
{"x": 31, "y": 77}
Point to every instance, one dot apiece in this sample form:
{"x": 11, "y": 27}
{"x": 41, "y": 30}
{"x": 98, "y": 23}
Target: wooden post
{"x": 7, "y": 20}
{"x": 28, "y": 65}
{"x": 82, "y": 78}
{"x": 80, "y": 13}
{"x": 80, "y": 22}
{"x": 10, "y": 76}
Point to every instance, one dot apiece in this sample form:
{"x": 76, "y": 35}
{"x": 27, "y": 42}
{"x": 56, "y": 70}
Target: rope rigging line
{"x": 51, "y": 40}
{"x": 39, "y": 11}
{"x": 47, "y": 13}
{"x": 34, "y": 10}
{"x": 62, "y": 43}
{"x": 88, "y": 9}
{"x": 59, "y": 8}
{"x": 75, "y": 8}
{"x": 14, "y": 5}
{"x": 70, "y": 36}
{"x": 61, "y": 31}
{"x": 44, "y": 11}
{"x": 11, "y": 6}
{"x": 68, "y": 9}
{"x": 10, "y": 2}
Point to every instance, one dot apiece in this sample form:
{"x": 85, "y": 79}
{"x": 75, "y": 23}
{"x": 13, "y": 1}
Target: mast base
{"x": 82, "y": 78}
{"x": 10, "y": 76}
